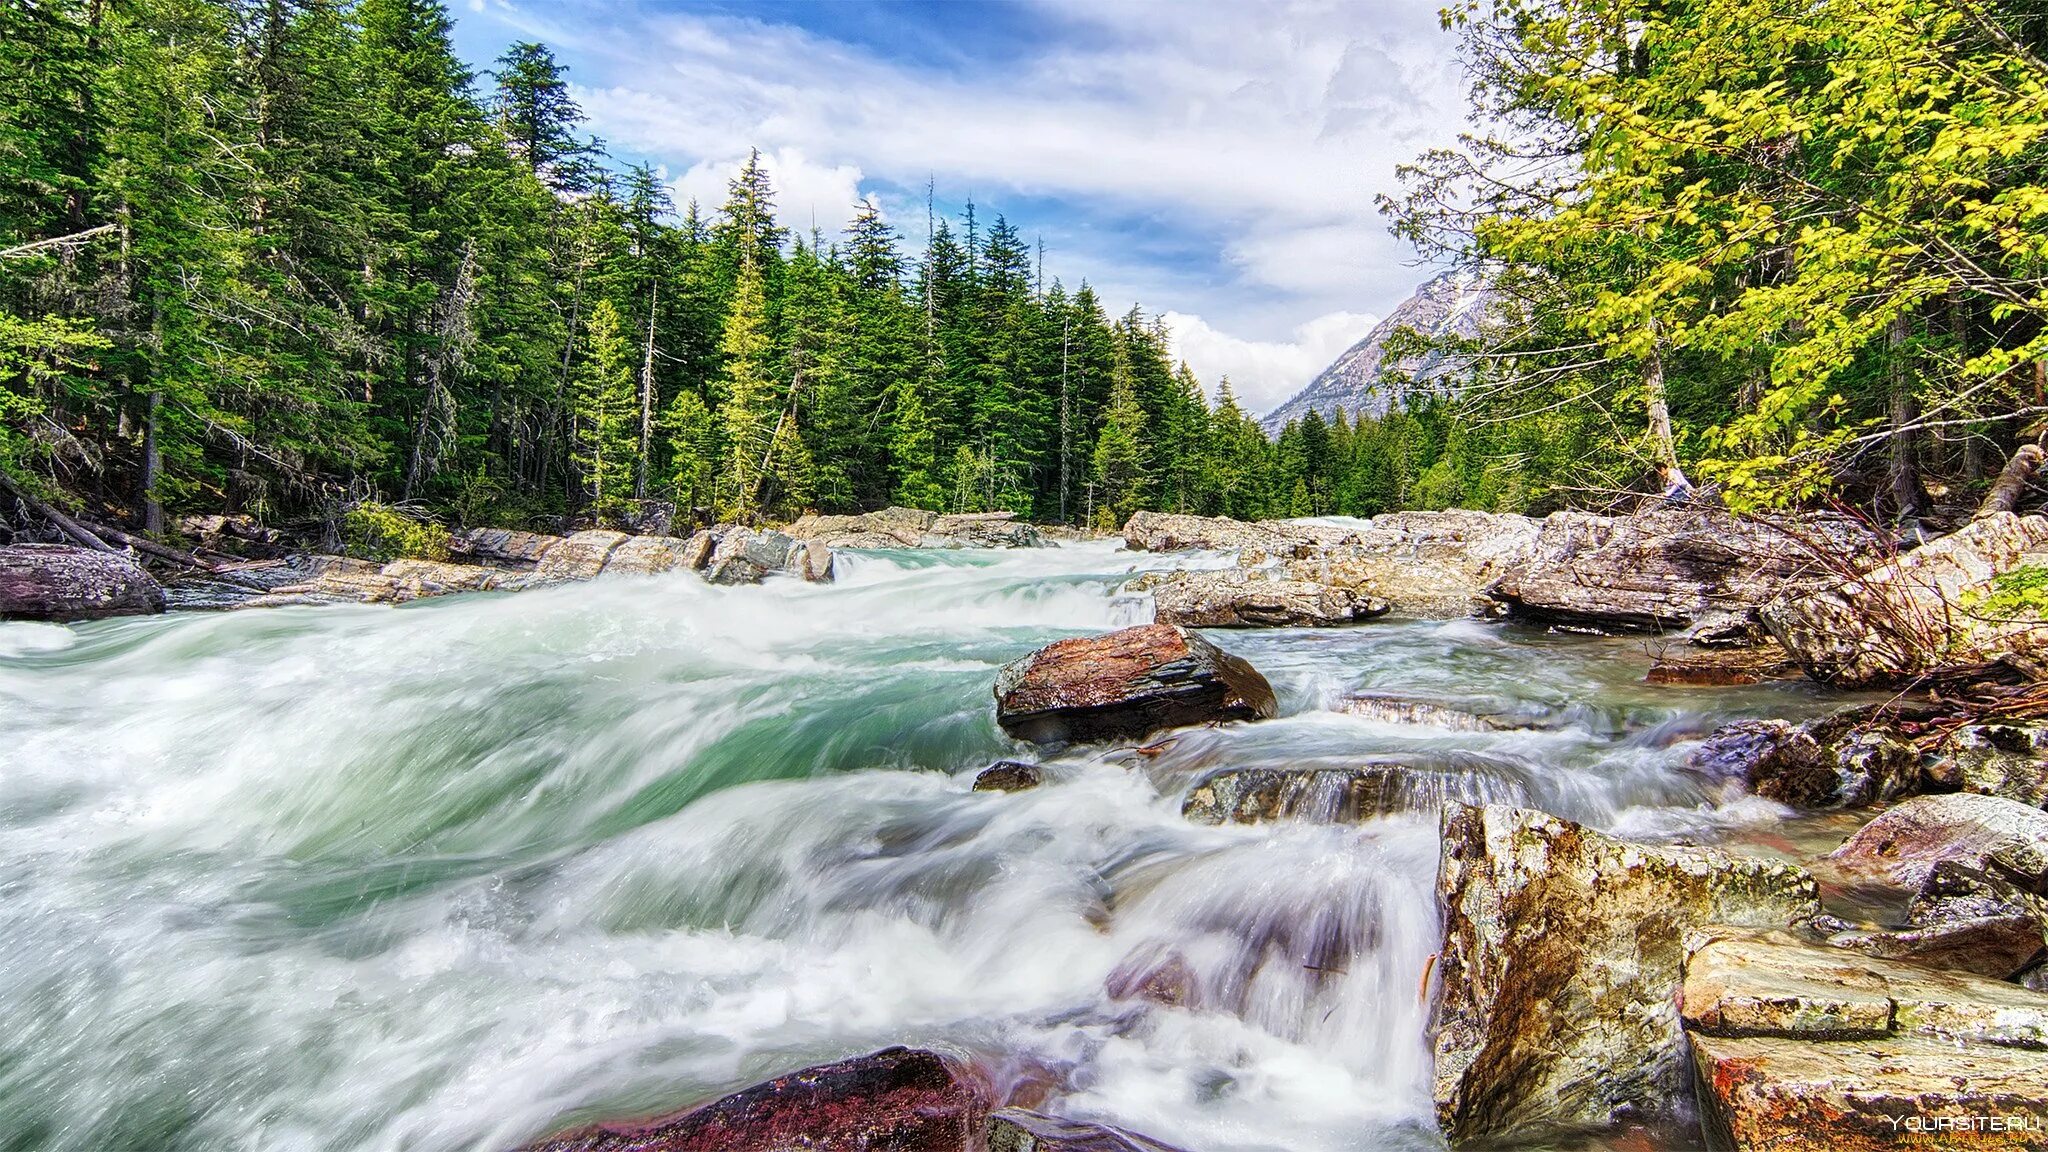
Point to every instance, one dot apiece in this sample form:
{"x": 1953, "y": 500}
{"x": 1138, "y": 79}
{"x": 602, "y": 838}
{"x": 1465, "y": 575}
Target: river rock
{"x": 1009, "y": 776}
{"x": 647, "y": 556}
{"x": 62, "y": 583}
{"x": 1019, "y": 1130}
{"x": 1237, "y": 598}
{"x": 506, "y": 547}
{"x": 1383, "y": 708}
{"x": 1902, "y": 846}
{"x": 1908, "y": 616}
{"x": 750, "y": 555}
{"x": 1321, "y": 795}
{"x": 982, "y": 530}
{"x": 1126, "y": 684}
{"x": 889, "y": 528}
{"x": 1991, "y": 946}
{"x": 1828, "y": 763}
{"x": 1801, "y": 1048}
{"x": 1664, "y": 569}
{"x": 1721, "y": 666}
{"x": 580, "y": 556}
{"x": 898, "y": 1099}
{"x": 2009, "y": 760}
{"x": 1433, "y": 565}
{"x": 1560, "y": 966}
{"x": 1170, "y": 532}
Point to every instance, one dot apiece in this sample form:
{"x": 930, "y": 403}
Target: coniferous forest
{"x": 288, "y": 256}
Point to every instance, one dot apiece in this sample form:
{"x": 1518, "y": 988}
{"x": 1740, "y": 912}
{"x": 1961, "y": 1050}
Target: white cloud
{"x": 1261, "y": 131}
{"x": 1265, "y": 373}
{"x": 805, "y": 192}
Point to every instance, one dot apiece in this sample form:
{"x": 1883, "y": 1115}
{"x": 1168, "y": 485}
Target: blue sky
{"x": 1213, "y": 162}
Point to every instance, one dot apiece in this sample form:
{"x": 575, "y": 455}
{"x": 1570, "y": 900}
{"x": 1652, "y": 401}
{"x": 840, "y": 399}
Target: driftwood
{"x": 2019, "y": 471}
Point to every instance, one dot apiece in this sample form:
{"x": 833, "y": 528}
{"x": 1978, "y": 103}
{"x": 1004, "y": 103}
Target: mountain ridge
{"x": 1358, "y": 381}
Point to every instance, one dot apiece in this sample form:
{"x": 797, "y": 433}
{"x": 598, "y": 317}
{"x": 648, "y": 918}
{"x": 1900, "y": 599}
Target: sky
{"x": 1215, "y": 163}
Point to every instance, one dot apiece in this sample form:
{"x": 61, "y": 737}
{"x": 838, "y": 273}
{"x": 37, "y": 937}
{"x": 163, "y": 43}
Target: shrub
{"x": 371, "y": 531}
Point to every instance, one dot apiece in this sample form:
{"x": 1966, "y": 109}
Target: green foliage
{"x": 2019, "y": 594}
{"x": 372, "y": 531}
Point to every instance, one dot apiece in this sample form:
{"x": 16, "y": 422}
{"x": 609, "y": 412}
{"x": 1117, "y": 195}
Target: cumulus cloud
{"x": 1256, "y": 136}
{"x": 806, "y": 193}
{"x": 1266, "y": 373}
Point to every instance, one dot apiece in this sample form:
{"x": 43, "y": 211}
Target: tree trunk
{"x": 646, "y": 395}
{"x": 152, "y": 467}
{"x": 1661, "y": 440}
{"x": 1907, "y": 493}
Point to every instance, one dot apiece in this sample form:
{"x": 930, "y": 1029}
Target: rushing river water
{"x": 453, "y": 875}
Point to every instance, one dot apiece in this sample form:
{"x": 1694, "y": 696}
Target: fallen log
{"x": 2019, "y": 471}
{"x": 65, "y": 524}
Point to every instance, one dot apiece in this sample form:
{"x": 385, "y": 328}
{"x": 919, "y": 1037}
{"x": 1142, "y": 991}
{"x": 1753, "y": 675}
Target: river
{"x": 453, "y": 875}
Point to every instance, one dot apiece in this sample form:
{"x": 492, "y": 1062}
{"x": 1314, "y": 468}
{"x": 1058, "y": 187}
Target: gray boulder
{"x": 63, "y": 583}
{"x": 1238, "y": 598}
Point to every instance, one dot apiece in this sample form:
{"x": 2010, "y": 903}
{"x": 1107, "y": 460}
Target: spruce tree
{"x": 606, "y": 413}
{"x": 751, "y": 402}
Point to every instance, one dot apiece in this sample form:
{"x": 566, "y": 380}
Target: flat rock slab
{"x": 1018, "y": 1130}
{"x": 1560, "y": 966}
{"x": 59, "y": 582}
{"x": 1849, "y": 1096}
{"x": 1747, "y": 983}
{"x": 898, "y": 1100}
{"x": 1126, "y": 684}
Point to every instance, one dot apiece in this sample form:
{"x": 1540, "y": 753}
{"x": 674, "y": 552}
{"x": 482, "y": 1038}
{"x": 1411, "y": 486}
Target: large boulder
{"x": 750, "y": 555}
{"x": 899, "y": 1099}
{"x": 506, "y": 547}
{"x": 889, "y": 528}
{"x": 1126, "y": 684}
{"x": 1989, "y": 833}
{"x": 1019, "y": 1130}
{"x": 1426, "y": 564}
{"x": 59, "y": 582}
{"x": 1799, "y": 1048}
{"x": 982, "y": 530}
{"x": 1560, "y": 965}
{"x": 647, "y": 556}
{"x": 1240, "y": 598}
{"x": 1665, "y": 569}
{"x": 1171, "y": 532}
{"x": 580, "y": 556}
{"x": 1911, "y": 615}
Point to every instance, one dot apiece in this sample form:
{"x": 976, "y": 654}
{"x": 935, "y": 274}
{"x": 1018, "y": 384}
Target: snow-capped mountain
{"x": 1454, "y": 303}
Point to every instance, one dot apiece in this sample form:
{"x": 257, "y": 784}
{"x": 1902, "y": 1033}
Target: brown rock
{"x": 1321, "y": 795}
{"x": 1126, "y": 684}
{"x": 1902, "y": 846}
{"x": 1560, "y": 965}
{"x": 898, "y": 1099}
{"x": 1009, "y": 776}
{"x": 1835, "y": 762}
{"x": 504, "y": 546}
{"x": 1712, "y": 667}
{"x": 59, "y": 582}
{"x": 1852, "y": 1096}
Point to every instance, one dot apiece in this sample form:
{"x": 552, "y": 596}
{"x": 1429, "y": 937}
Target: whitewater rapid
{"x": 457, "y": 874}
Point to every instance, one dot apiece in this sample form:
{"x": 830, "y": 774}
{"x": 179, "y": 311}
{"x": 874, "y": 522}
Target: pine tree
{"x": 752, "y": 403}
{"x": 1122, "y": 483}
{"x": 540, "y": 116}
{"x": 606, "y": 413}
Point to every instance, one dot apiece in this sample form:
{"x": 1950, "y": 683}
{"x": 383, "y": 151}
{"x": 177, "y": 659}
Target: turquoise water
{"x": 453, "y": 875}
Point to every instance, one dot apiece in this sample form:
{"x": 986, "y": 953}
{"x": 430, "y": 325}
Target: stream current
{"x": 457, "y": 874}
